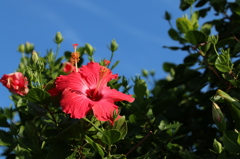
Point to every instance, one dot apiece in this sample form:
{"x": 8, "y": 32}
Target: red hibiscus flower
{"x": 87, "y": 90}
{"x": 16, "y": 83}
{"x": 68, "y": 67}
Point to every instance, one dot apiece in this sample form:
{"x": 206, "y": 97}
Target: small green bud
{"x": 167, "y": 16}
{"x": 40, "y": 66}
{"x": 217, "y": 146}
{"x": 218, "y": 117}
{"x": 29, "y": 47}
{"x": 21, "y": 66}
{"x": 152, "y": 72}
{"x": 113, "y": 46}
{"x": 21, "y": 48}
{"x": 144, "y": 72}
{"x": 58, "y": 38}
{"x": 34, "y": 57}
{"x": 214, "y": 39}
{"x": 29, "y": 74}
{"x": 89, "y": 49}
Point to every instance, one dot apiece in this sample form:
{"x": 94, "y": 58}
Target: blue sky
{"x": 138, "y": 27}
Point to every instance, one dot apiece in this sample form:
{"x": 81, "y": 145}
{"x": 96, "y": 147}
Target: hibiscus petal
{"x": 116, "y": 95}
{"x": 73, "y": 81}
{"x": 103, "y": 110}
{"x": 75, "y": 104}
{"x": 92, "y": 72}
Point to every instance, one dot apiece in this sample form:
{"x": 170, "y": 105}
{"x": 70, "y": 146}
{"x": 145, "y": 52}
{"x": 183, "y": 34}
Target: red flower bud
{"x": 16, "y": 83}
{"x": 68, "y": 67}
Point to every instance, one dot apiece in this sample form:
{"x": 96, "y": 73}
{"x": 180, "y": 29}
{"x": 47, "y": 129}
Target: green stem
{"x": 58, "y": 47}
{"x": 214, "y": 46}
{"x": 170, "y": 24}
{"x": 92, "y": 58}
{"x": 109, "y": 150}
{"x": 93, "y": 125}
{"x": 112, "y": 54}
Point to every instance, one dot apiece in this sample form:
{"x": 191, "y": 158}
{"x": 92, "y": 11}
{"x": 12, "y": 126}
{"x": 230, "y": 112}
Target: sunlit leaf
{"x": 184, "y": 25}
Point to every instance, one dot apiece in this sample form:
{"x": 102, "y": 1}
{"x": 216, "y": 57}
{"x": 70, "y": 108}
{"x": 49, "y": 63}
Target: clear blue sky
{"x": 138, "y": 26}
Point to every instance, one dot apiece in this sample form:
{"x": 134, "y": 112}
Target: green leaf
{"x": 184, "y": 25}
{"x": 238, "y": 139}
{"x": 236, "y": 49}
{"x": 116, "y": 156}
{"x": 190, "y": 2}
{"x": 184, "y": 5}
{"x": 196, "y": 37}
{"x": 165, "y": 126}
{"x": 48, "y": 121}
{"x": 194, "y": 19}
{"x": 140, "y": 88}
{"x": 145, "y": 156}
{"x": 111, "y": 136}
{"x": 174, "y": 34}
{"x": 95, "y": 145}
{"x": 121, "y": 126}
{"x": 36, "y": 109}
{"x": 50, "y": 85}
{"x": 5, "y": 138}
{"x": 38, "y": 96}
{"x": 185, "y": 154}
{"x": 234, "y": 107}
{"x": 14, "y": 129}
{"x": 206, "y": 28}
{"x": 223, "y": 62}
{"x": 237, "y": 10}
{"x": 168, "y": 66}
{"x": 3, "y": 120}
{"x": 115, "y": 64}
{"x": 230, "y": 142}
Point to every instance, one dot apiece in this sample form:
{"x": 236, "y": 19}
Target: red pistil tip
{"x": 75, "y": 47}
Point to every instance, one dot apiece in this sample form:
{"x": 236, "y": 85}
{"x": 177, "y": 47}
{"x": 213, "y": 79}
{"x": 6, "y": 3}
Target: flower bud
{"x": 34, "y": 57}
{"x": 68, "y": 67}
{"x": 21, "y": 48}
{"x": 16, "y": 83}
{"x": 214, "y": 39}
{"x": 106, "y": 62}
{"x": 29, "y": 47}
{"x": 58, "y": 38}
{"x": 89, "y": 49}
{"x": 167, "y": 16}
{"x": 218, "y": 117}
{"x": 217, "y": 146}
{"x": 113, "y": 46}
{"x": 144, "y": 73}
{"x": 152, "y": 72}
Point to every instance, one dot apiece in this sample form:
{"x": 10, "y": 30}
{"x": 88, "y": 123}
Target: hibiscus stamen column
{"x": 102, "y": 73}
{"x": 75, "y": 57}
